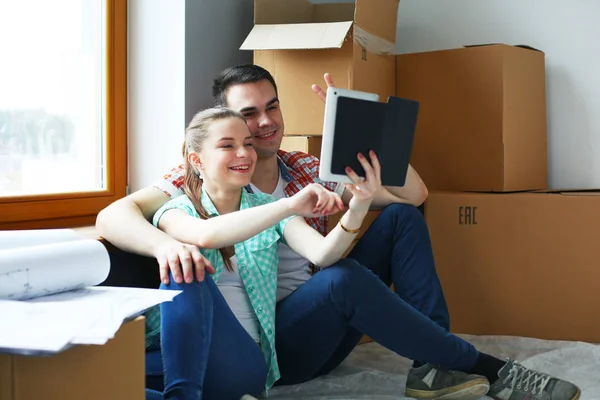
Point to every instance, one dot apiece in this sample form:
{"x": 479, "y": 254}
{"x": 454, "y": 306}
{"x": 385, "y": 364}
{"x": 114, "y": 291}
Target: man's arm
{"x": 413, "y": 192}
{"x": 125, "y": 224}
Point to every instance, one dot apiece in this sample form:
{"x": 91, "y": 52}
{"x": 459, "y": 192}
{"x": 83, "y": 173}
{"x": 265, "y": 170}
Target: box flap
{"x": 378, "y": 17}
{"x": 333, "y": 12}
{"x": 484, "y": 45}
{"x": 282, "y": 12}
{"x": 297, "y": 36}
{"x": 523, "y": 46}
{"x": 572, "y": 192}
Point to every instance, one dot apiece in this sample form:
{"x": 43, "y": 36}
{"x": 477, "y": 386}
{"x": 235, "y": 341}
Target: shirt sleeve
{"x": 281, "y": 227}
{"x": 172, "y": 182}
{"x": 180, "y": 203}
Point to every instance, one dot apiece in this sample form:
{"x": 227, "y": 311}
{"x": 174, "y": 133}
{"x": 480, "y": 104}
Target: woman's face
{"x": 228, "y": 157}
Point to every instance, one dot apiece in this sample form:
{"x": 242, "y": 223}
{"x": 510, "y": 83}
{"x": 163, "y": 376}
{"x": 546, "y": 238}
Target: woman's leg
{"x": 207, "y": 354}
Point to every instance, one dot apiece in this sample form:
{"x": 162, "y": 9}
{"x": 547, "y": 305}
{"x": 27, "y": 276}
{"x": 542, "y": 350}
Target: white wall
{"x": 569, "y": 34}
{"x": 214, "y": 32}
{"x": 156, "y": 92}
{"x": 176, "y": 48}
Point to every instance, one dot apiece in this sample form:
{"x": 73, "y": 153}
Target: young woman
{"x": 217, "y": 336}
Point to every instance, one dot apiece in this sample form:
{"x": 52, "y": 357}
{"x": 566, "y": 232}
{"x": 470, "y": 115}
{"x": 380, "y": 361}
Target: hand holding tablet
{"x": 355, "y": 122}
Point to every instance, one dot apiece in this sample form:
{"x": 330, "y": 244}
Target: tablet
{"x": 329, "y": 124}
{"x": 356, "y": 122}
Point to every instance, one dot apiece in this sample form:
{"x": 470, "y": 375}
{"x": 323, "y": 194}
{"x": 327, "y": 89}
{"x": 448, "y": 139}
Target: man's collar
{"x": 284, "y": 170}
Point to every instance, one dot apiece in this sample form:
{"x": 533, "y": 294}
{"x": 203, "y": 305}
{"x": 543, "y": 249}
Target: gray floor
{"x": 375, "y": 373}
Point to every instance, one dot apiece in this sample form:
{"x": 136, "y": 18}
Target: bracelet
{"x": 349, "y": 230}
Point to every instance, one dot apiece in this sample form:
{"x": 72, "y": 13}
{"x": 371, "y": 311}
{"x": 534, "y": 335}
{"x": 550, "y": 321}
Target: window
{"x": 63, "y": 110}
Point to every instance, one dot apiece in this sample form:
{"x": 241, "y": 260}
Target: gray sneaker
{"x": 429, "y": 382}
{"x": 519, "y": 383}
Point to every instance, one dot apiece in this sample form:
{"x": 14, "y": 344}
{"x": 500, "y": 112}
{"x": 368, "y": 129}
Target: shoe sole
{"x": 467, "y": 391}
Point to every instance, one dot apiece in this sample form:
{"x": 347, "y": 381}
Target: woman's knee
{"x": 193, "y": 291}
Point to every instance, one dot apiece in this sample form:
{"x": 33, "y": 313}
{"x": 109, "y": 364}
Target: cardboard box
{"x": 113, "y": 371}
{"x": 298, "y": 42}
{"x": 307, "y": 144}
{"x": 482, "y": 117}
{"x": 524, "y": 264}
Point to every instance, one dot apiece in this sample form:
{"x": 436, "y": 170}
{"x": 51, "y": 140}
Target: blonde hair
{"x": 195, "y": 135}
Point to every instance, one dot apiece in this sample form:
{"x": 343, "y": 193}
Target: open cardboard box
{"x": 298, "y": 42}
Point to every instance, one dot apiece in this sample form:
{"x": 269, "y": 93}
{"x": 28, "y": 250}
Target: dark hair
{"x": 195, "y": 134}
{"x": 238, "y": 75}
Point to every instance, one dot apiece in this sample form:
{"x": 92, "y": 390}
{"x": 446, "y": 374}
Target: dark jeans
{"x": 320, "y": 323}
{"x": 206, "y": 353}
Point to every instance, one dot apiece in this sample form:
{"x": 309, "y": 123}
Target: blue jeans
{"x": 206, "y": 353}
{"x": 320, "y": 323}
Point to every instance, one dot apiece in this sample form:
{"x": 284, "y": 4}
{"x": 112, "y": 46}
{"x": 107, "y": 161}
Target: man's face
{"x": 259, "y": 105}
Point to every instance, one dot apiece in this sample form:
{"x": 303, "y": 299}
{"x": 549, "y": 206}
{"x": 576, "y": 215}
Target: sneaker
{"x": 429, "y": 382}
{"x": 248, "y": 397}
{"x": 516, "y": 382}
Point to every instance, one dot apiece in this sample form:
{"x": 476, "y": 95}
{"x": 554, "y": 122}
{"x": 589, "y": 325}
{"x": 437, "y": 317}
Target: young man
{"x": 321, "y": 317}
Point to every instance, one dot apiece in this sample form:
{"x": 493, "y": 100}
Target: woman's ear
{"x": 194, "y": 159}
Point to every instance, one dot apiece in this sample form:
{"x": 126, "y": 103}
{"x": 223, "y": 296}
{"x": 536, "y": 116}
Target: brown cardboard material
{"x": 482, "y": 117}
{"x": 298, "y": 42}
{"x": 522, "y": 264}
{"x": 112, "y": 371}
{"x": 306, "y": 144}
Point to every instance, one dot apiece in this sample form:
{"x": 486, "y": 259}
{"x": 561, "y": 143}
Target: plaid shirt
{"x": 298, "y": 169}
{"x": 257, "y": 261}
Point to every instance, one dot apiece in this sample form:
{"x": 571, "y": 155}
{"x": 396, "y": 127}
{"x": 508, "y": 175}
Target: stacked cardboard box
{"x": 480, "y": 146}
{"x": 513, "y": 258}
{"x": 298, "y": 42}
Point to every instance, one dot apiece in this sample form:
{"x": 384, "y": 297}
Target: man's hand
{"x": 320, "y": 92}
{"x": 182, "y": 259}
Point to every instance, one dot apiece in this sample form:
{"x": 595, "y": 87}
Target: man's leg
{"x": 404, "y": 257}
{"x": 206, "y": 352}
{"x": 339, "y": 303}
{"x": 398, "y": 249}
